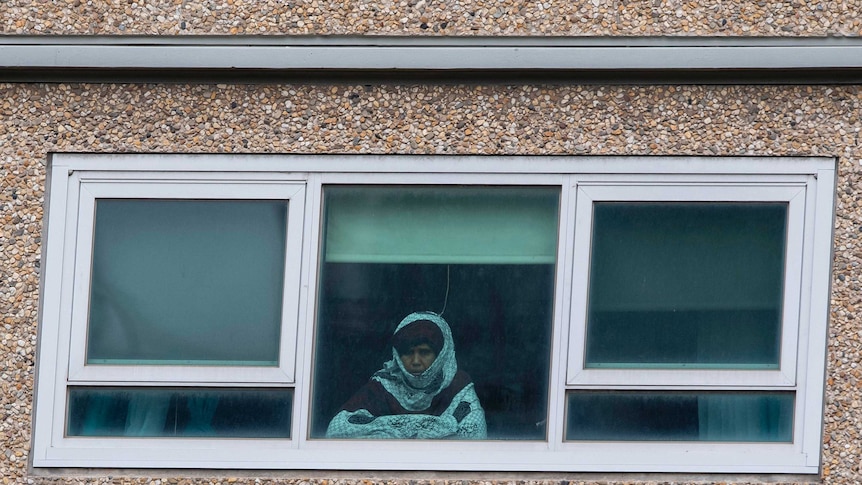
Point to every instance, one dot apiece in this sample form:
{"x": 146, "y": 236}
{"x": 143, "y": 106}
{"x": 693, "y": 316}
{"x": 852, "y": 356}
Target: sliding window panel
{"x": 185, "y": 286}
{"x": 686, "y": 285}
{"x": 684, "y": 282}
{"x": 187, "y": 282}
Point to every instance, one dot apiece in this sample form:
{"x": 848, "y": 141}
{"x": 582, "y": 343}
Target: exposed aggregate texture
{"x": 36, "y": 119}
{"x": 433, "y": 17}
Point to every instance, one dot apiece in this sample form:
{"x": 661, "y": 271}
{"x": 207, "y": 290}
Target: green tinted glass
{"x": 166, "y": 412}
{"x": 679, "y": 416}
{"x": 187, "y": 282}
{"x": 515, "y": 225}
{"x": 484, "y": 257}
{"x": 686, "y": 285}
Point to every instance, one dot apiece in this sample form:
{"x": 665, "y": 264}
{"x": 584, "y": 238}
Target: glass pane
{"x": 499, "y": 316}
{"x": 686, "y": 285}
{"x": 679, "y": 416}
{"x": 397, "y": 225}
{"x": 188, "y": 413}
{"x": 187, "y": 282}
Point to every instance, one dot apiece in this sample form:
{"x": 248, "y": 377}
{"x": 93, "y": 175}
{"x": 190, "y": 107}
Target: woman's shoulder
{"x": 460, "y": 380}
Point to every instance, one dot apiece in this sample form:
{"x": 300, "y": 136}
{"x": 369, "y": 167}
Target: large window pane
{"x": 189, "y": 413}
{"x": 679, "y": 416}
{"x": 457, "y": 251}
{"x": 187, "y": 282}
{"x": 686, "y": 285}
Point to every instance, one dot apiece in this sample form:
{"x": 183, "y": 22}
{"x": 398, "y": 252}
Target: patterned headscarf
{"x": 415, "y": 393}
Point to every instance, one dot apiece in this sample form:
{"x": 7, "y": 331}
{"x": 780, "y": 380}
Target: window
{"x": 482, "y": 257}
{"x": 565, "y": 314}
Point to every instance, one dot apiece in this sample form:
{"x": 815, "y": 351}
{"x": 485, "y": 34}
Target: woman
{"x": 420, "y": 393}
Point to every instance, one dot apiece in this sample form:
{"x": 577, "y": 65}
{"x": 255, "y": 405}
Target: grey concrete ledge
{"x": 46, "y": 56}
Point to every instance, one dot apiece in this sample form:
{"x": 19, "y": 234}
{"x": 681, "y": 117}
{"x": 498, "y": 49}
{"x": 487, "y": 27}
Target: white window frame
{"x": 106, "y": 185}
{"x": 807, "y": 184}
{"x": 653, "y": 189}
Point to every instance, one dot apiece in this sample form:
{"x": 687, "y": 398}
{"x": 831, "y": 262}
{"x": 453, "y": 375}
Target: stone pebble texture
{"x": 433, "y": 17}
{"x": 38, "y": 119}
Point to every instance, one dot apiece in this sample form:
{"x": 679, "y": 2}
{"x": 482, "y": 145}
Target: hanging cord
{"x": 446, "y": 298}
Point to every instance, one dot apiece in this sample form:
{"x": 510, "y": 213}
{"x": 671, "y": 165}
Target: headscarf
{"x": 415, "y": 393}
{"x": 417, "y": 333}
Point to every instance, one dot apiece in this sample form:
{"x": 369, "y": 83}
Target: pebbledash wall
{"x": 37, "y": 119}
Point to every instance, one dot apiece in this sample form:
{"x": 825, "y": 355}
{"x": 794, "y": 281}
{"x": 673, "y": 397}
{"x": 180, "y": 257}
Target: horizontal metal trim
{"x": 428, "y": 53}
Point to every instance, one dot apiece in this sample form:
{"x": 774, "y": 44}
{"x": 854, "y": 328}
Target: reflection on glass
{"x": 419, "y": 393}
{"x": 166, "y": 412}
{"x": 481, "y": 256}
{"x": 187, "y": 282}
{"x": 679, "y": 416}
{"x": 686, "y": 285}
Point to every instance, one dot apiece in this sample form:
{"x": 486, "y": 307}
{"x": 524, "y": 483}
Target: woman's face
{"x": 418, "y": 359}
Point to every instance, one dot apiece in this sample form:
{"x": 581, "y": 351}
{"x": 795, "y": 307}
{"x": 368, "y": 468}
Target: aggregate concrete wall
{"x": 37, "y": 119}
{"x": 434, "y": 17}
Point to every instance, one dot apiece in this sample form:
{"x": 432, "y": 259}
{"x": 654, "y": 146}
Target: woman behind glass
{"x": 419, "y": 393}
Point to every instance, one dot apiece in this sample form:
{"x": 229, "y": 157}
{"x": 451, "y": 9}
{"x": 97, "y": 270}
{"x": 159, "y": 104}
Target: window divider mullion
{"x": 562, "y": 337}
{"x": 311, "y": 247}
